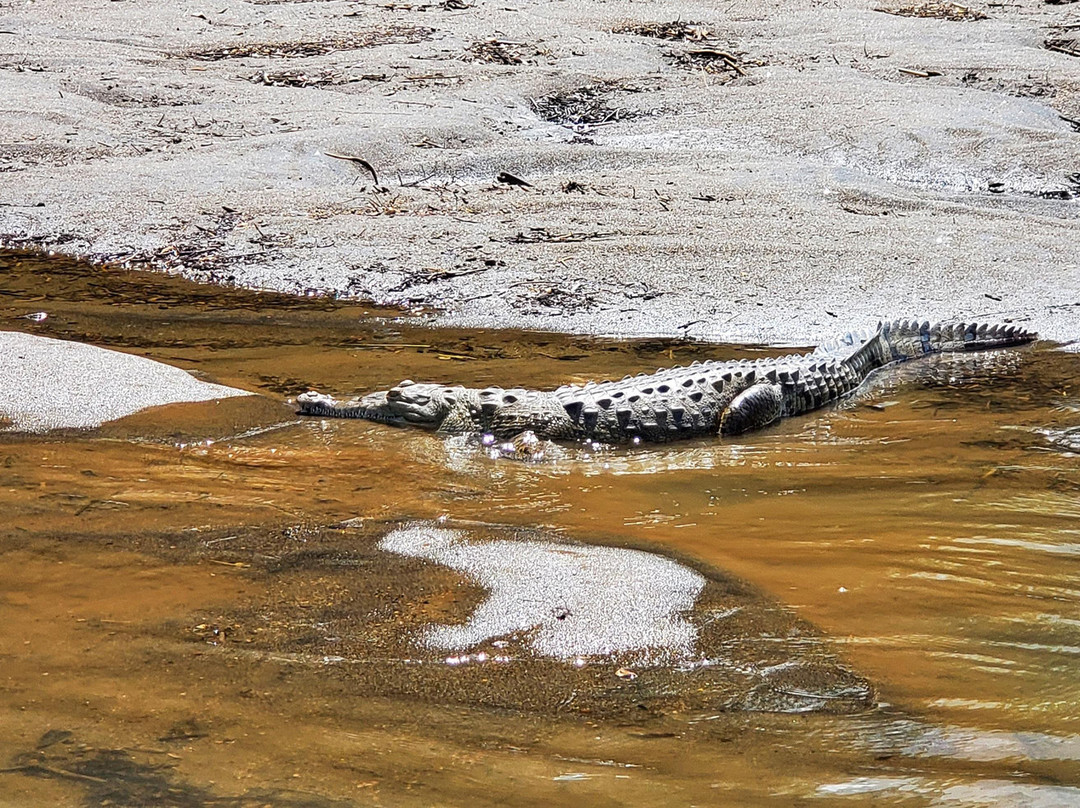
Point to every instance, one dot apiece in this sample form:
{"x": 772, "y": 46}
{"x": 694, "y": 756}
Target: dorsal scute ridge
{"x": 703, "y": 388}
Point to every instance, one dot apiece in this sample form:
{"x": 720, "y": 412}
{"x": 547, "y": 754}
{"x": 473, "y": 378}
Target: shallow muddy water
{"x": 929, "y": 528}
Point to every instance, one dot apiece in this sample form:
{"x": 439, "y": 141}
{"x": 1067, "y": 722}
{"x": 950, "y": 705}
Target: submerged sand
{"x": 776, "y": 171}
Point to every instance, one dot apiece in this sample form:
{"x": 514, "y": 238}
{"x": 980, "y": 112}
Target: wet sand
{"x": 775, "y": 173}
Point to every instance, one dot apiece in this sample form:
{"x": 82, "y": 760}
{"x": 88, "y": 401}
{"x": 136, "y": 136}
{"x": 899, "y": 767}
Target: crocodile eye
{"x": 509, "y": 399}
{"x": 406, "y": 382}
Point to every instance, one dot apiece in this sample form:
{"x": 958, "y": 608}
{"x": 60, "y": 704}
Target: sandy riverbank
{"x": 778, "y": 172}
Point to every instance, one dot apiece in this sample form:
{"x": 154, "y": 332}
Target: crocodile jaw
{"x": 372, "y": 407}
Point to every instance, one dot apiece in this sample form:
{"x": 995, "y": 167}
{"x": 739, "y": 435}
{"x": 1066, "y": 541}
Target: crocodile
{"x": 703, "y": 398}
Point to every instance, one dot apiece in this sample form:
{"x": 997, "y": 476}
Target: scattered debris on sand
{"x": 1070, "y": 47}
{"x": 496, "y": 51}
{"x": 313, "y": 78}
{"x": 590, "y": 105}
{"x": 202, "y": 250}
{"x": 709, "y": 60}
{"x": 1033, "y": 85}
{"x": 935, "y": 10}
{"x": 683, "y": 30}
{"x": 569, "y": 296}
{"x": 710, "y": 57}
{"x": 357, "y": 40}
{"x": 541, "y": 235}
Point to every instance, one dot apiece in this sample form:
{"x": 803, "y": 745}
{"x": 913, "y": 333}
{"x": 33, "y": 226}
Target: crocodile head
{"x": 415, "y": 404}
{"x": 429, "y": 406}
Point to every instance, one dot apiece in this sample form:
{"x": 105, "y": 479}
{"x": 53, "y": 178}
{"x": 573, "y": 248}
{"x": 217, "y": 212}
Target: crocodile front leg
{"x": 755, "y": 407}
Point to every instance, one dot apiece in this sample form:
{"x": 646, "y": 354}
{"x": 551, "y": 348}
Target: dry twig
{"x": 360, "y": 161}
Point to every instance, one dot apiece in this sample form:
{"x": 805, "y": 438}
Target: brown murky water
{"x": 930, "y": 528}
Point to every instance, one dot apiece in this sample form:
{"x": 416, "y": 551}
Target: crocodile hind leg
{"x": 755, "y": 407}
{"x": 525, "y": 446}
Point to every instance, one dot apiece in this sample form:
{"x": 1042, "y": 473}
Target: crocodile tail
{"x": 906, "y": 340}
{"x": 872, "y": 353}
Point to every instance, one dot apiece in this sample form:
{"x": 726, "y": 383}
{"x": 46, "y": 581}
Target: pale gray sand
{"x": 986, "y": 793}
{"x": 561, "y": 600}
{"x": 824, "y": 189}
{"x": 48, "y": 384}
